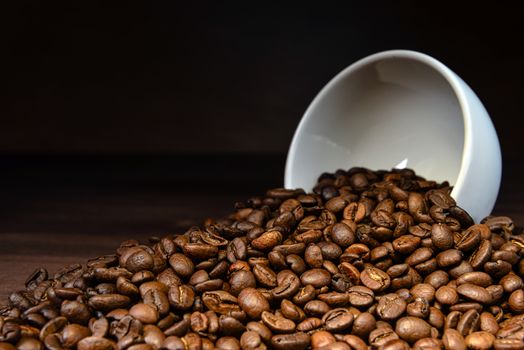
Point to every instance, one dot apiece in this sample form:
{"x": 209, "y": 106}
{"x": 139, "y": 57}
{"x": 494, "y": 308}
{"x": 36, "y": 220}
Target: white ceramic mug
{"x": 400, "y": 109}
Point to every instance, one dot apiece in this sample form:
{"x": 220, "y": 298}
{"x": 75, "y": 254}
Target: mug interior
{"x": 393, "y": 111}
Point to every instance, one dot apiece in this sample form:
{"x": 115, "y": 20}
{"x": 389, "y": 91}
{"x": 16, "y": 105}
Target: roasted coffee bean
{"x": 226, "y": 343}
{"x": 412, "y": 329}
{"x": 182, "y": 297}
{"x": 107, "y": 302}
{"x": 391, "y": 306}
{"x": 96, "y": 343}
{"x": 375, "y": 279}
{"x": 453, "y": 340}
{"x": 360, "y": 296}
{"x": 267, "y": 240}
{"x": 294, "y": 341}
{"x": 277, "y": 323}
{"x": 316, "y": 308}
{"x": 480, "y": 340}
{"x": 437, "y": 279}
{"x": 461, "y": 269}
{"x": 313, "y": 256}
{"x": 75, "y": 312}
{"x": 488, "y": 323}
{"x": 29, "y": 343}
{"x": 474, "y": 292}
{"x": 291, "y": 311}
{"x": 478, "y": 278}
{"x": 381, "y": 336}
{"x": 304, "y": 295}
{"x": 337, "y": 320}
{"x": 72, "y": 334}
{"x": 511, "y": 282}
{"x": 342, "y": 235}
{"x": 145, "y": 313}
{"x": 182, "y": 265}
{"x": 158, "y": 300}
{"x": 469, "y": 322}
{"x": 309, "y": 324}
{"x": 316, "y": 277}
{"x": 241, "y": 280}
{"x": 447, "y": 295}
{"x": 508, "y": 344}
{"x": 322, "y": 339}
{"x": 419, "y": 307}
{"x": 288, "y": 285}
{"x": 442, "y": 236}
{"x": 253, "y": 302}
{"x": 516, "y": 301}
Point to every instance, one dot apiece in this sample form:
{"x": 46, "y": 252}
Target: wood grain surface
{"x": 60, "y": 210}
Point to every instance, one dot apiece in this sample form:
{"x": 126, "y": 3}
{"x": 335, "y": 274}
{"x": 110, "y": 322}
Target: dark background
{"x": 126, "y": 119}
{"x": 225, "y": 77}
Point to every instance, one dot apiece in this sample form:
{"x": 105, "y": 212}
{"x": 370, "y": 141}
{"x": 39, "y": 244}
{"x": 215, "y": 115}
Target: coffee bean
{"x": 442, "y": 236}
{"x": 488, "y": 323}
{"x": 360, "y": 296}
{"x": 267, "y": 240}
{"x": 182, "y": 265}
{"x": 107, "y": 302}
{"x": 508, "y": 344}
{"x": 453, "y": 340}
{"x": 474, "y": 292}
{"x": 437, "y": 279}
{"x": 480, "y": 340}
{"x": 144, "y": 313}
{"x": 250, "y": 340}
{"x": 337, "y": 320}
{"x": 294, "y": 341}
{"x": 447, "y": 295}
{"x": 253, "y": 302}
{"x": 316, "y": 308}
{"x": 469, "y": 322}
{"x": 304, "y": 295}
{"x": 277, "y": 323}
{"x": 381, "y": 336}
{"x": 391, "y": 306}
{"x": 228, "y": 343}
{"x": 153, "y": 336}
{"x": 316, "y": 277}
{"x": 220, "y": 302}
{"x": 139, "y": 260}
{"x": 241, "y": 280}
{"x": 309, "y": 324}
{"x": 96, "y": 343}
{"x": 29, "y": 343}
{"x": 313, "y": 256}
{"x": 448, "y": 258}
{"x": 375, "y": 279}
{"x": 291, "y": 311}
{"x": 363, "y": 324}
{"x": 72, "y": 334}
{"x": 342, "y": 235}
{"x": 288, "y": 285}
{"x": 412, "y": 329}
{"x": 182, "y": 297}
{"x": 322, "y": 339}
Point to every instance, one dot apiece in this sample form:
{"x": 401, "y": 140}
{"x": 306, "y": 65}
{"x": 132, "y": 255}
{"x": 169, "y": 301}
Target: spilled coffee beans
{"x": 368, "y": 260}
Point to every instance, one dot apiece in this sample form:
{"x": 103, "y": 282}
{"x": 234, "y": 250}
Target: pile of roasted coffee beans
{"x": 369, "y": 260}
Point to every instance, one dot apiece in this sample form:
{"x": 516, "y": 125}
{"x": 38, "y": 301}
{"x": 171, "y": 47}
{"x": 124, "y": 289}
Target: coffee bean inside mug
{"x": 367, "y": 260}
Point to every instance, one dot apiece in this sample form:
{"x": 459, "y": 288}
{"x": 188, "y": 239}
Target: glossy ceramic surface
{"x": 400, "y": 109}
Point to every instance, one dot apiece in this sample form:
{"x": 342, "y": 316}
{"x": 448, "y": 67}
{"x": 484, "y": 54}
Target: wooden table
{"x": 57, "y": 210}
